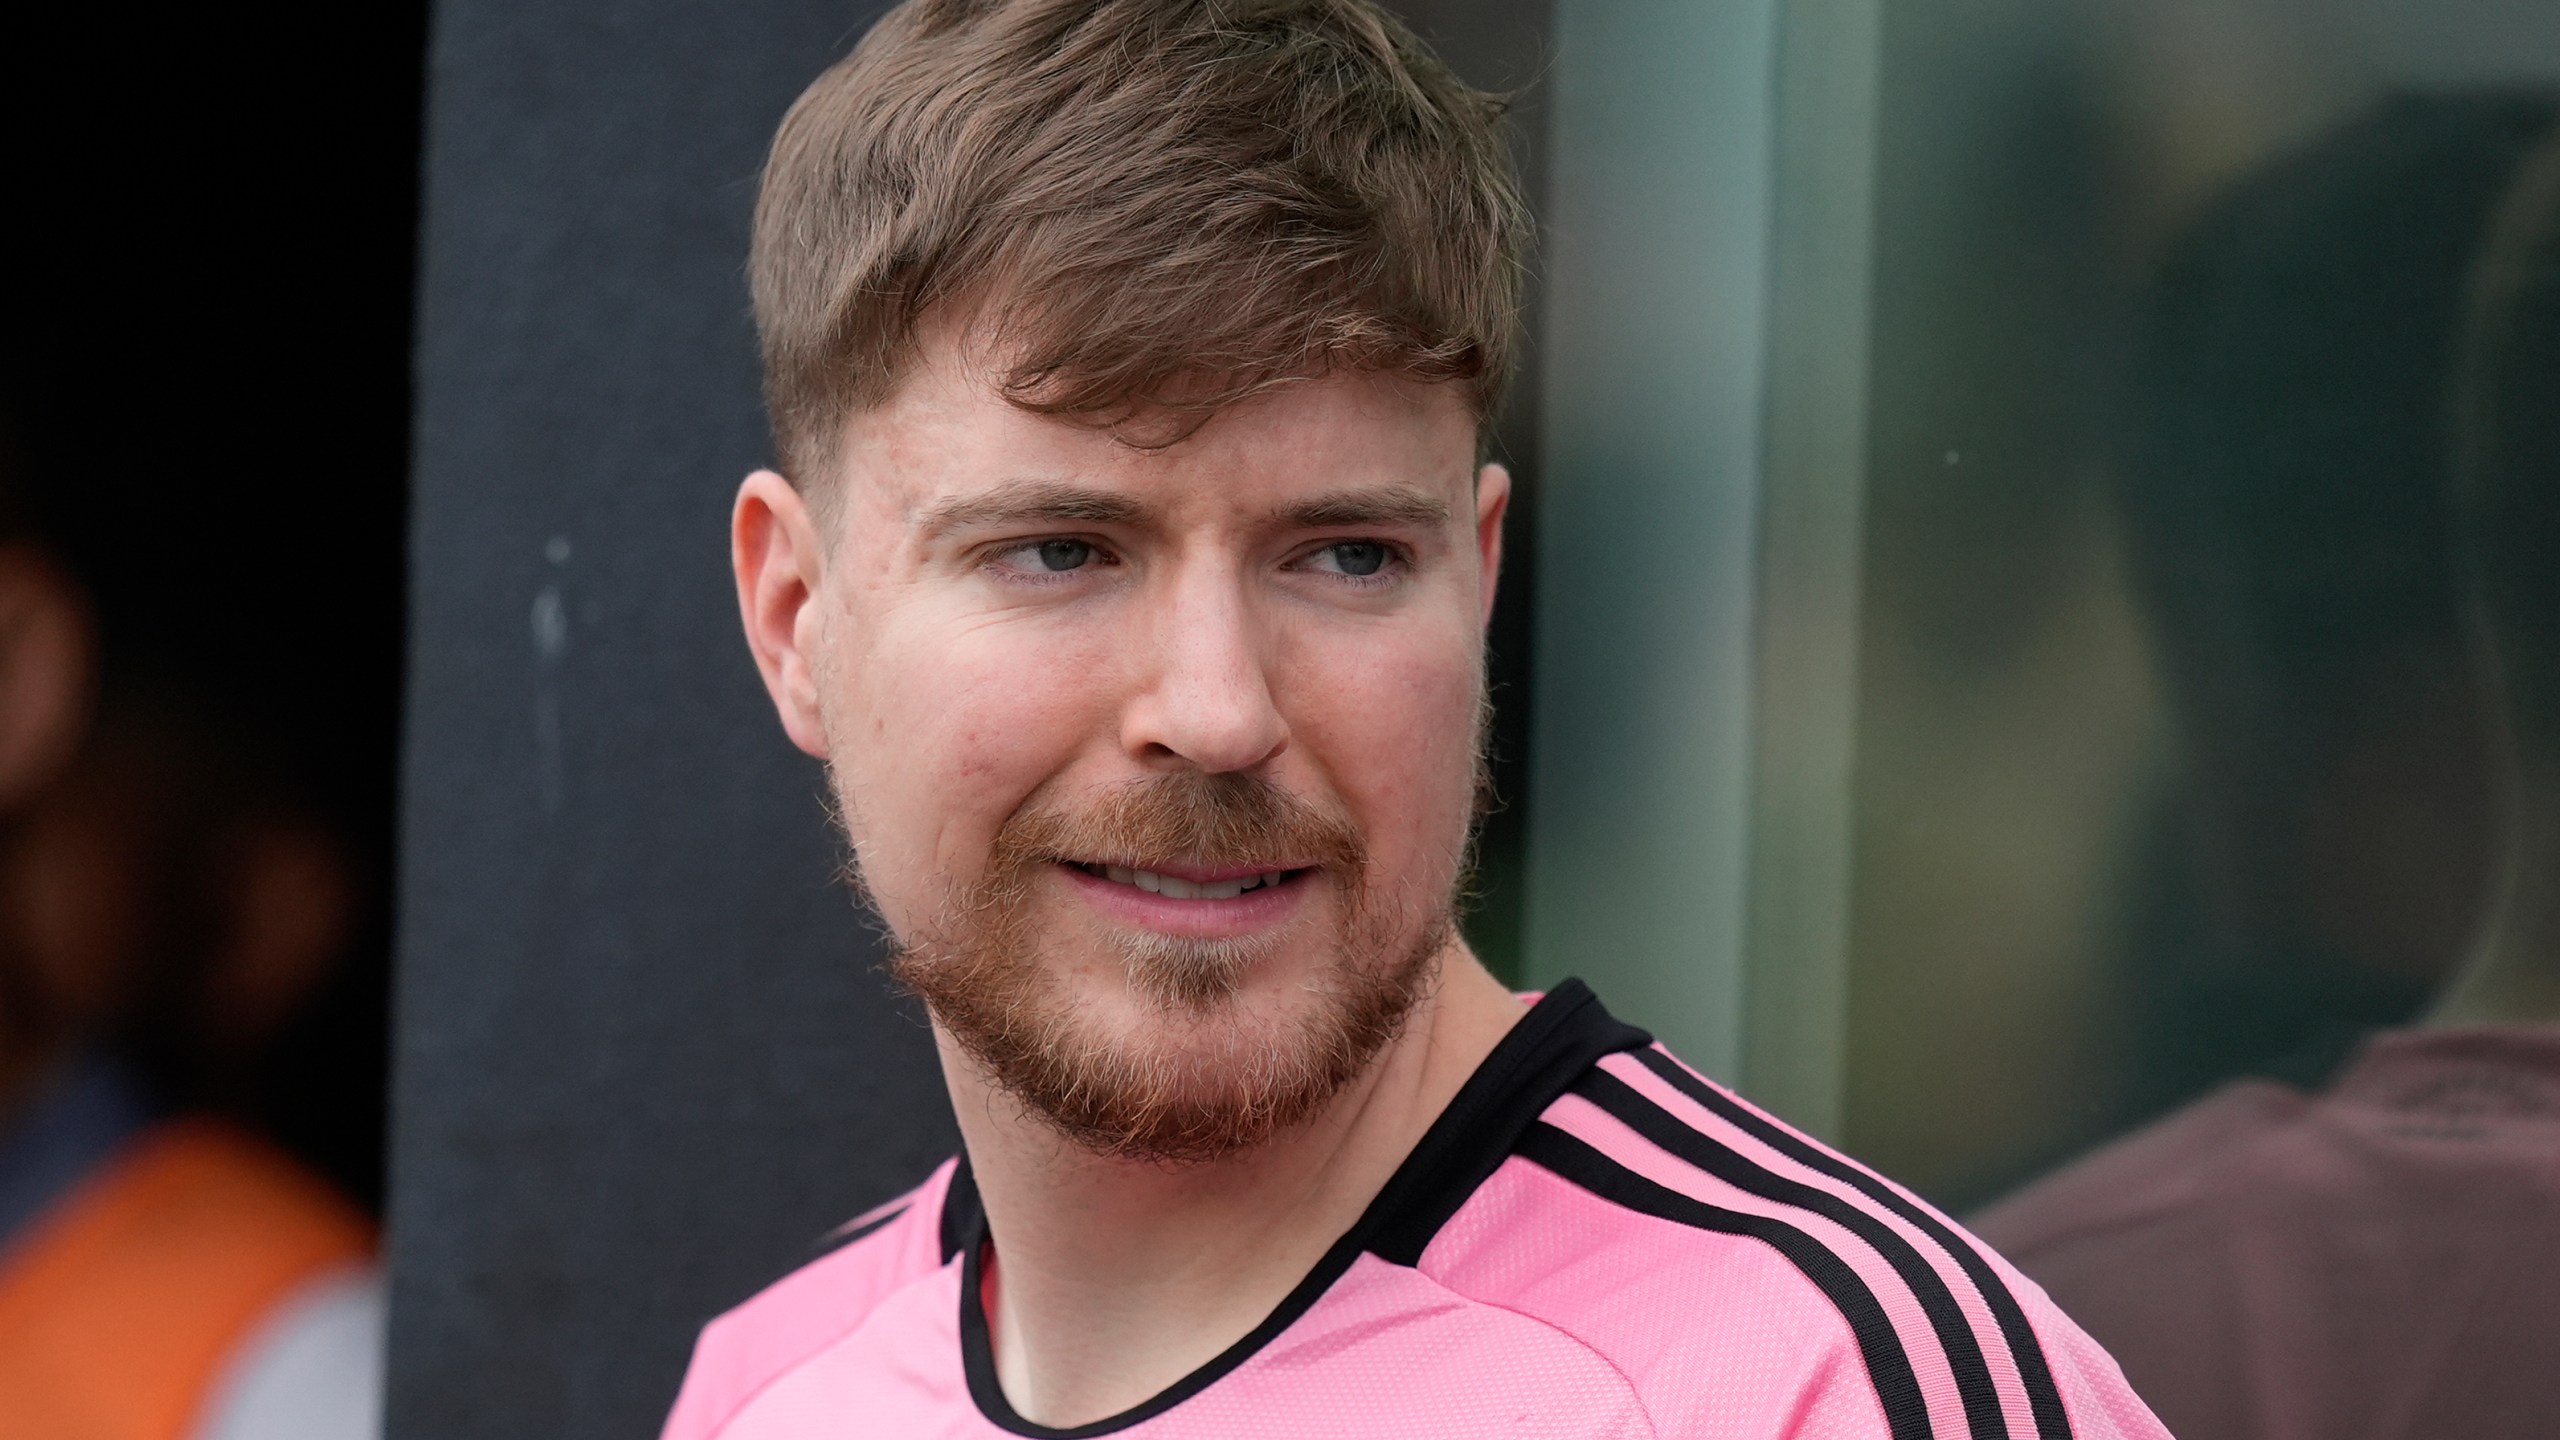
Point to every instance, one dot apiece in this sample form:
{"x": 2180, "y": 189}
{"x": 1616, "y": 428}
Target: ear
{"x": 775, "y": 550}
{"x": 47, "y": 654}
{"x": 1493, "y": 501}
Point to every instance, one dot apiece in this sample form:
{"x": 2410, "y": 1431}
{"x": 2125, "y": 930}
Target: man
{"x": 1128, "y": 564}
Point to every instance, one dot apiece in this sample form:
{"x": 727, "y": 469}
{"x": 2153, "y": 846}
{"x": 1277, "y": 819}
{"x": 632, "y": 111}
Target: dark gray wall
{"x": 644, "y": 1059}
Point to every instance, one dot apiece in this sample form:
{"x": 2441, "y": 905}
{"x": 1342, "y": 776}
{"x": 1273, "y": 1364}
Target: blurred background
{"x": 2168, "y": 759}
{"x": 204, "y": 437}
{"x": 2020, "y": 654}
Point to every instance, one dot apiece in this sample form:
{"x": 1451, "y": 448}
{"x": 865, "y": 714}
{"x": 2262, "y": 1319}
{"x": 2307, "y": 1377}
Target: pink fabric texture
{"x": 2379, "y": 1260}
{"x": 745, "y": 1351}
{"x": 1594, "y": 1242}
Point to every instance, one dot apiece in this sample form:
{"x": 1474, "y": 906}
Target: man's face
{"x": 1159, "y": 763}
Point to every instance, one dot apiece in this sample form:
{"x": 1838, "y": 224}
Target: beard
{"x": 1206, "y": 1072}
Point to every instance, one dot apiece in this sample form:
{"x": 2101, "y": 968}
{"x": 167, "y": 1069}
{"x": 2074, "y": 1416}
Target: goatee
{"x": 1208, "y": 1074}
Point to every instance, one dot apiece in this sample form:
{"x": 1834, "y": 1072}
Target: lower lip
{"x": 1257, "y": 909}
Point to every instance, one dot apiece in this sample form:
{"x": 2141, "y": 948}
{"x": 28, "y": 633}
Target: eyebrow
{"x": 1386, "y": 505}
{"x": 1042, "y": 502}
{"x": 1055, "y": 502}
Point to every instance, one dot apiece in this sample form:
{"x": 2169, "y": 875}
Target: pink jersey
{"x": 1592, "y": 1241}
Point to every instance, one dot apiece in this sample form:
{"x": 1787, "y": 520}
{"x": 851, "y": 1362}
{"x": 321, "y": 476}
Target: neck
{"x": 2512, "y": 974}
{"x": 1116, "y": 1278}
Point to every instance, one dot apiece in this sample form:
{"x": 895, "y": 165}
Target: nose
{"x": 1208, "y": 703}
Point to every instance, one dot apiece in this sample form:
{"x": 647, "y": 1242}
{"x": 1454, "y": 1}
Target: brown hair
{"x": 1149, "y": 207}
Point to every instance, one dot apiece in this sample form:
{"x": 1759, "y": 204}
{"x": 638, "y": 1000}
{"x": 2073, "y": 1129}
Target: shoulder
{"x": 874, "y": 1255}
{"x": 129, "y": 1297}
{"x": 2168, "y": 1241}
{"x": 2169, "y": 1173}
{"x": 201, "y": 1191}
{"x": 1747, "y": 1279}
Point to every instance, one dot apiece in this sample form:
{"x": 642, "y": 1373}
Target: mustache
{"x": 1230, "y": 1079}
{"x": 1184, "y": 817}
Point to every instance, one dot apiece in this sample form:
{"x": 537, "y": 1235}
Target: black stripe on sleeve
{"x": 1906, "y": 1413}
{"x": 838, "y": 1238}
{"x": 2043, "y": 1398}
{"x": 1955, "y": 1333}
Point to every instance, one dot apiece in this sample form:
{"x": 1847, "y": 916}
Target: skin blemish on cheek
{"x": 975, "y": 761}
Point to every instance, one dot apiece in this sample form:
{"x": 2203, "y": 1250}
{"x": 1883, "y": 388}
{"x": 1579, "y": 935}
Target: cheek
{"x": 1392, "y": 723}
{"x": 939, "y": 732}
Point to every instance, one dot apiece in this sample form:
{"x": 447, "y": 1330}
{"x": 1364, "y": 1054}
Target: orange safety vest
{"x": 120, "y": 1305}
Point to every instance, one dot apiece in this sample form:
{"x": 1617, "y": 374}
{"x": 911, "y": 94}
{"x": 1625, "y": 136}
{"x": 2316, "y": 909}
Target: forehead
{"x": 949, "y": 433}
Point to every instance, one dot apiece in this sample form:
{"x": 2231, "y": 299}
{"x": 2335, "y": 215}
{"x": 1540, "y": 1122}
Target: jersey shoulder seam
{"x": 1634, "y": 1392}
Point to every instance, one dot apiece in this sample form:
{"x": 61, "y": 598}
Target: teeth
{"x": 1175, "y": 888}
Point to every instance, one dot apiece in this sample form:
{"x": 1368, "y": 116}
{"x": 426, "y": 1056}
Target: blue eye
{"x": 1063, "y": 554}
{"x": 1059, "y": 560}
{"x": 1358, "y": 557}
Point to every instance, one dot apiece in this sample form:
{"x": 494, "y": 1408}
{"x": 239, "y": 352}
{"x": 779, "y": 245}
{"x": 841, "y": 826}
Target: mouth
{"x": 1198, "y": 902}
{"x": 1192, "y": 883}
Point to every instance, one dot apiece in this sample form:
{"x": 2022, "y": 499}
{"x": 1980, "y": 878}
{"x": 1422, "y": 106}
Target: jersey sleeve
{"x": 1754, "y": 1282}
{"x": 2099, "y": 1402}
{"x": 748, "y": 1348}
{"x": 1836, "y": 1398}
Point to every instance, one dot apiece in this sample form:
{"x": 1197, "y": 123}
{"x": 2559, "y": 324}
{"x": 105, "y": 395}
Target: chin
{"x": 1174, "y": 1049}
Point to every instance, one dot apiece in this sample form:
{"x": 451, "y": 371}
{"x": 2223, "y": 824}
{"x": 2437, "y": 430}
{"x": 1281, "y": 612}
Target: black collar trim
{"x": 1550, "y": 1048}
{"x": 963, "y": 1220}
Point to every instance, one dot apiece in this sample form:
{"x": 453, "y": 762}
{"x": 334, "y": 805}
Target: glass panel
{"x": 1656, "y": 254}
{"x": 2203, "y": 834}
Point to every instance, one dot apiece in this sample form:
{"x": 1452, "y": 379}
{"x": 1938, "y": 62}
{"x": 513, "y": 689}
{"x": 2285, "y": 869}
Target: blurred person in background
{"x": 203, "y": 430}
{"x": 2347, "y": 516}
{"x": 204, "y": 395}
{"x": 170, "y": 903}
